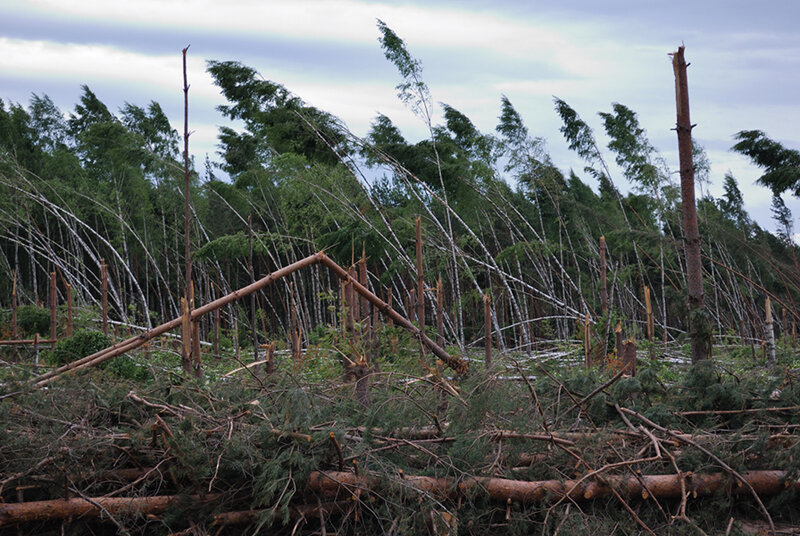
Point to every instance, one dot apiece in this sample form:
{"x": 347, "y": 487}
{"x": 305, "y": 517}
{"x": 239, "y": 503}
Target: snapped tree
{"x": 699, "y": 326}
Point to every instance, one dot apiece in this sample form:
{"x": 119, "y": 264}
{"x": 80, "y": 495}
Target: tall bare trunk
{"x": 699, "y": 329}
{"x": 186, "y": 359}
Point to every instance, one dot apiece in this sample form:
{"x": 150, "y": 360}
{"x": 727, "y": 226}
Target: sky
{"x": 744, "y": 72}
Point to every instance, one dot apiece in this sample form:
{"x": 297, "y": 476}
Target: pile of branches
{"x": 552, "y": 451}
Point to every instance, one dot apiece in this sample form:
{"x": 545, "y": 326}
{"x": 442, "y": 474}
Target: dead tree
{"x": 699, "y": 329}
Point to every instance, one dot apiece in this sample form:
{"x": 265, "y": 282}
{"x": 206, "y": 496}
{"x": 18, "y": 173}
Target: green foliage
{"x": 412, "y": 90}
{"x": 32, "y": 319}
{"x": 781, "y": 165}
{"x": 84, "y": 342}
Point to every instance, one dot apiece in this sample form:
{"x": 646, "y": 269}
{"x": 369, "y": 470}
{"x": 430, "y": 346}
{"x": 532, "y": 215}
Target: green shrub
{"x": 32, "y": 319}
{"x": 129, "y": 367}
{"x": 84, "y": 342}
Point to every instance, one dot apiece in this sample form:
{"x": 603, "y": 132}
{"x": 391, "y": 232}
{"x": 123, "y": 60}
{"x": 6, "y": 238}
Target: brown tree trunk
{"x": 186, "y": 356}
{"x": 11, "y": 513}
{"x": 458, "y": 365}
{"x": 699, "y": 328}
{"x": 487, "y": 317}
{"x": 53, "y": 298}
{"x": 770, "y": 331}
{"x": 420, "y": 277}
{"x": 104, "y": 293}
{"x": 69, "y": 310}
{"x": 628, "y": 357}
{"x": 603, "y": 277}
{"x": 520, "y": 491}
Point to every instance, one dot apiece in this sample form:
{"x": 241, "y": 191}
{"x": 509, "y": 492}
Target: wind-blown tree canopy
{"x": 498, "y": 216}
{"x": 781, "y": 165}
{"x": 276, "y": 121}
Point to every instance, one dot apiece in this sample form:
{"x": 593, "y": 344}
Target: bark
{"x": 770, "y": 330}
{"x": 649, "y": 311}
{"x": 420, "y": 276}
{"x": 525, "y": 492}
{"x": 53, "y": 299}
{"x": 487, "y": 317}
{"x": 69, "y": 310}
{"x": 104, "y": 291}
{"x": 603, "y": 277}
{"x": 439, "y": 313}
{"x": 186, "y": 356}
{"x": 629, "y": 357}
{"x": 699, "y": 329}
{"x": 13, "y": 513}
{"x": 458, "y": 365}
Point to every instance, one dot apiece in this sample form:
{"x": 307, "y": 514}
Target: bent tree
{"x": 699, "y": 326}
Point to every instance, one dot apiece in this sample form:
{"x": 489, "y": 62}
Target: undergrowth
{"x": 251, "y": 441}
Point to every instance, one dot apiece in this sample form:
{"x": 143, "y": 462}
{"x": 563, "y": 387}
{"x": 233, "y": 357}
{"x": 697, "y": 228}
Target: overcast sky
{"x": 744, "y": 55}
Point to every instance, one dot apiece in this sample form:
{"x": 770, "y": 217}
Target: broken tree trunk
{"x": 420, "y": 277}
{"x": 439, "y": 313}
{"x": 186, "y": 337}
{"x": 104, "y": 293}
{"x": 134, "y": 342}
{"x": 770, "y": 332}
{"x": 69, "y": 310}
{"x": 603, "y": 277}
{"x": 628, "y": 357}
{"x": 53, "y": 299}
{"x": 525, "y": 492}
{"x": 458, "y": 365}
{"x": 587, "y": 342}
{"x": 487, "y": 319}
{"x": 649, "y": 311}
{"x": 14, "y": 333}
{"x": 699, "y": 329}
{"x": 13, "y": 513}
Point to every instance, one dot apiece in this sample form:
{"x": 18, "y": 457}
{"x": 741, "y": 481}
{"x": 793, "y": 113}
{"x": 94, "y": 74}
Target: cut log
{"x": 13, "y": 513}
{"x": 520, "y": 491}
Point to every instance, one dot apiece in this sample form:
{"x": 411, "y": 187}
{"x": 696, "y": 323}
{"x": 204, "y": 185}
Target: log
{"x": 134, "y": 342}
{"x": 15, "y": 342}
{"x": 525, "y": 492}
{"x": 458, "y": 365}
{"x": 13, "y": 513}
{"x": 244, "y": 517}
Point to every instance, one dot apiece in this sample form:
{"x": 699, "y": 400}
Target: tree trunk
{"x": 520, "y": 491}
{"x": 699, "y": 329}
{"x": 770, "y": 332}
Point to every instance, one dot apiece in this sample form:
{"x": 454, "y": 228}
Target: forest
{"x": 371, "y": 334}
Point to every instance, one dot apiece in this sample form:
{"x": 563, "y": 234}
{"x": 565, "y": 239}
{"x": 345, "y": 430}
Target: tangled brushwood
{"x": 540, "y": 449}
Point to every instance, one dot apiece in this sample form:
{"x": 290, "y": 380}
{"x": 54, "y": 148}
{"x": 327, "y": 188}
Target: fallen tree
{"x": 458, "y": 365}
{"x": 525, "y": 492}
{"x": 25, "y": 512}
